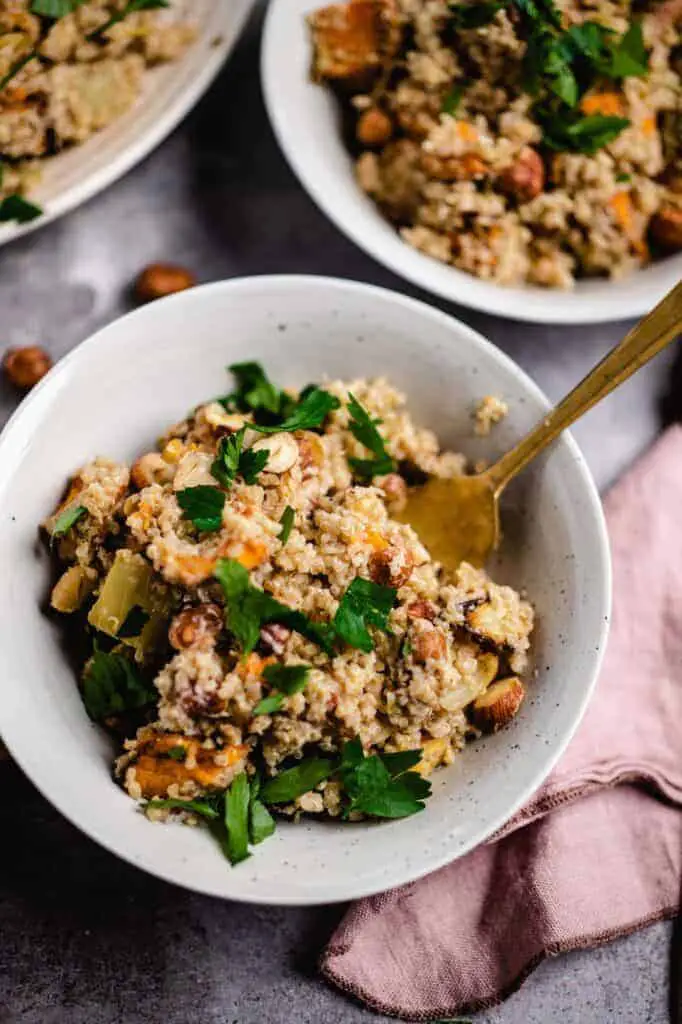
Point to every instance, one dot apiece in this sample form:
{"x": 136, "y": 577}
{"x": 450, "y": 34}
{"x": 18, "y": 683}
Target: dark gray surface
{"x": 85, "y": 939}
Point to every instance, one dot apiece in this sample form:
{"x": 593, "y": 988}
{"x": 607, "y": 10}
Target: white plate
{"x": 116, "y": 392}
{"x": 170, "y": 91}
{"x": 306, "y": 120}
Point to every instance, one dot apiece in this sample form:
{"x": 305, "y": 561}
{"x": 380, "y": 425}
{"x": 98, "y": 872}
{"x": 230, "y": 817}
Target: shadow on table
{"x": 86, "y": 936}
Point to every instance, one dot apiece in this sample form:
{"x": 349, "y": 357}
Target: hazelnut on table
{"x": 161, "y": 279}
{"x": 24, "y": 367}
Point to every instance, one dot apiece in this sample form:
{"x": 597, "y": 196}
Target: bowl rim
{"x": 254, "y": 284}
{"x": 549, "y": 306}
{"x": 143, "y": 144}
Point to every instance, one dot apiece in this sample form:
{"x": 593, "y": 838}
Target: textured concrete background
{"x": 85, "y": 939}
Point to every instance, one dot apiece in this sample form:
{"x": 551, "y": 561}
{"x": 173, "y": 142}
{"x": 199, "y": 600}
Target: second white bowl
{"x": 306, "y": 120}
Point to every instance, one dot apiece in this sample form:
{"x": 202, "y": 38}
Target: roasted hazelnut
{"x": 525, "y": 178}
{"x": 274, "y": 636}
{"x": 666, "y": 227}
{"x": 421, "y": 610}
{"x": 196, "y": 627}
{"x": 24, "y": 367}
{"x": 497, "y": 706}
{"x": 430, "y": 645}
{"x": 374, "y": 127}
{"x": 391, "y": 567}
{"x": 150, "y": 469}
{"x": 160, "y": 279}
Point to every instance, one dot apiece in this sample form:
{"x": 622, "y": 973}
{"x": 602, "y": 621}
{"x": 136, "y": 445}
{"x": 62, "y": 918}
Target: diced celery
{"x": 126, "y": 586}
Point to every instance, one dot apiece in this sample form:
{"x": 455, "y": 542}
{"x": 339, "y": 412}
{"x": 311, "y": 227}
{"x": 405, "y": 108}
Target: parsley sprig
{"x": 247, "y": 609}
{"x": 363, "y": 604}
{"x": 276, "y": 411}
{"x": 364, "y": 429}
{"x": 311, "y": 412}
{"x": 113, "y": 684}
{"x": 561, "y": 65}
{"x": 382, "y": 785}
{"x": 237, "y": 817}
{"x": 232, "y": 459}
{"x": 15, "y": 208}
{"x": 376, "y": 785}
{"x": 203, "y": 506}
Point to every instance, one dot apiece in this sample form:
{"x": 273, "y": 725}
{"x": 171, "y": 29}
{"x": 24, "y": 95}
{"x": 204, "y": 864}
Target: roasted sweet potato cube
{"x": 353, "y": 38}
{"x": 160, "y": 764}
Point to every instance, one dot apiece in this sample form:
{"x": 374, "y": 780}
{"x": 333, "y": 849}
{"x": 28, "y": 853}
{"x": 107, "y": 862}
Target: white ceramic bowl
{"x": 306, "y": 120}
{"x": 116, "y": 392}
{"x": 170, "y": 91}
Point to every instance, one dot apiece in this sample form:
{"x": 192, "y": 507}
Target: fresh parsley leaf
{"x": 261, "y": 822}
{"x": 112, "y": 684}
{"x": 15, "y": 207}
{"x": 453, "y": 99}
{"x": 203, "y": 506}
{"x": 55, "y": 8}
{"x": 231, "y": 459}
{"x": 543, "y": 11}
{"x": 132, "y": 7}
{"x": 286, "y": 522}
{"x": 68, "y": 518}
{"x": 311, "y": 412}
{"x": 270, "y": 704}
{"x": 364, "y": 603}
{"x": 247, "y": 609}
{"x": 629, "y": 58}
{"x": 254, "y": 392}
{"x": 286, "y": 680}
{"x": 474, "y": 15}
{"x": 237, "y": 799}
{"x": 251, "y": 463}
{"x": 364, "y": 429}
{"x": 622, "y": 178}
{"x": 402, "y": 761}
{"x": 135, "y": 621}
{"x": 294, "y": 782}
{"x": 382, "y": 786}
{"x": 226, "y": 463}
{"x": 177, "y": 753}
{"x": 205, "y": 808}
{"x": 584, "y": 134}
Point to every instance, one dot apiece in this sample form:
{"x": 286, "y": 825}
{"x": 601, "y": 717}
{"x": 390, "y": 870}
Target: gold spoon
{"x": 458, "y": 519}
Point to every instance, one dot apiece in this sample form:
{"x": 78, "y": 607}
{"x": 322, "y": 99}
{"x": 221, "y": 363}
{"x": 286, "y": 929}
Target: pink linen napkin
{"x": 585, "y": 861}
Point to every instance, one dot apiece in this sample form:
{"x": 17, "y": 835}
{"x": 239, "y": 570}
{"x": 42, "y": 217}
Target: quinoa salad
{"x": 69, "y": 68}
{"x": 258, "y": 630}
{"x": 522, "y": 141}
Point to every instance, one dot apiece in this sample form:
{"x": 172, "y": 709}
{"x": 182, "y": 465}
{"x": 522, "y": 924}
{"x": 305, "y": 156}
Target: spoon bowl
{"x": 459, "y": 519}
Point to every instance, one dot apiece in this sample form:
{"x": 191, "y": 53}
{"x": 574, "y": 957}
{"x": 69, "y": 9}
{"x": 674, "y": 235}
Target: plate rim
{"x": 135, "y": 151}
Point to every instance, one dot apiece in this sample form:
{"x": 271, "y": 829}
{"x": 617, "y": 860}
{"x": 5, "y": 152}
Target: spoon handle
{"x": 643, "y": 342}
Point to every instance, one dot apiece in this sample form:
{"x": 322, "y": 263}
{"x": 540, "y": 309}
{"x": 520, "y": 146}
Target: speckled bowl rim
{"x": 57, "y": 380}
